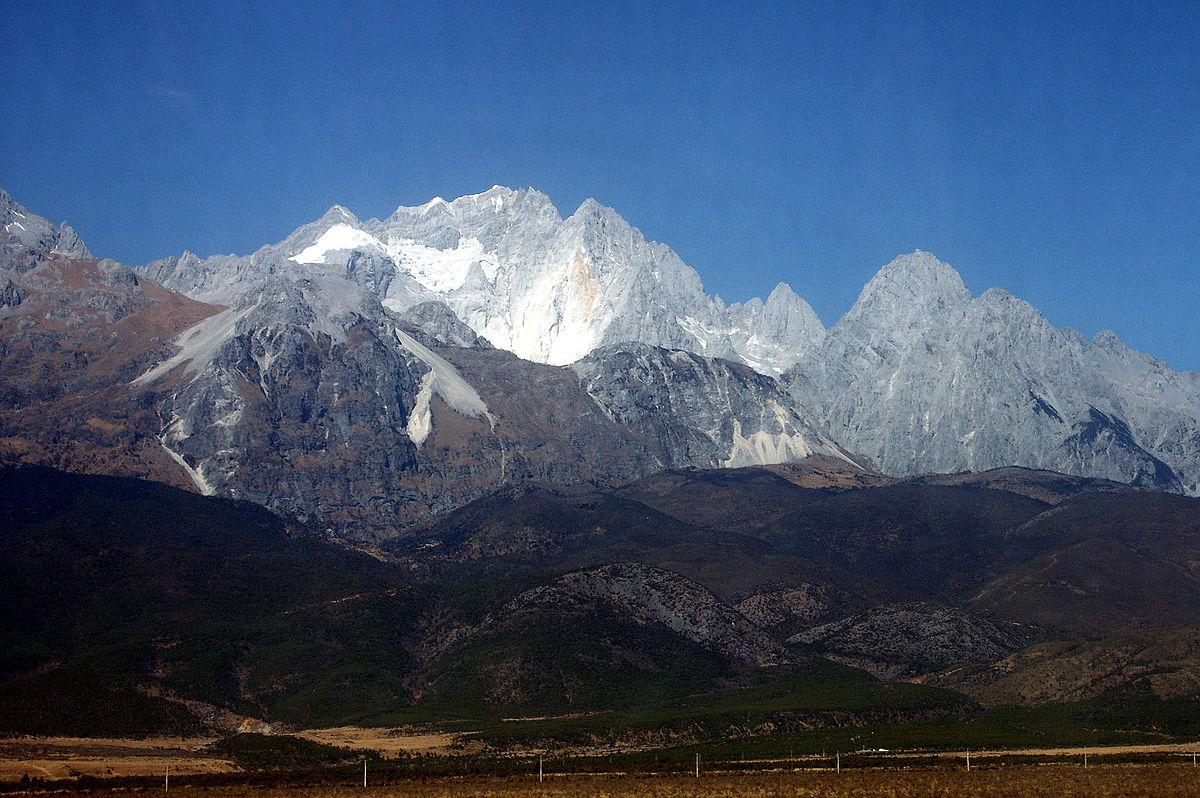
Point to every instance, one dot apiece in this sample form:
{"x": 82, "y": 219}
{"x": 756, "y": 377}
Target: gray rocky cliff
{"x": 921, "y": 376}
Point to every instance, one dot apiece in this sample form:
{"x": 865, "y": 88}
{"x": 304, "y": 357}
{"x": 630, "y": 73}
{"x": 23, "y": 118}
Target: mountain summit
{"x": 549, "y": 289}
{"x": 919, "y": 375}
{"x": 28, "y": 237}
{"x": 922, "y": 376}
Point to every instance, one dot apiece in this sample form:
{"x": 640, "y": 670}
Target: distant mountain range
{"x": 477, "y": 462}
{"x": 367, "y": 376}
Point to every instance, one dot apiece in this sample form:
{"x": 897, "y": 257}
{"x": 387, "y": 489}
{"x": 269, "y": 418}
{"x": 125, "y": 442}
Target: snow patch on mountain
{"x": 441, "y": 270}
{"x": 420, "y": 421}
{"x": 340, "y": 237}
{"x": 198, "y": 345}
{"x": 444, "y": 380}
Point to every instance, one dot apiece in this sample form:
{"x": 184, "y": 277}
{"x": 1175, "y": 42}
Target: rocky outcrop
{"x": 708, "y": 412}
{"x": 27, "y": 239}
{"x": 659, "y": 597}
{"x": 905, "y": 640}
{"x": 800, "y": 605}
{"x": 437, "y": 321}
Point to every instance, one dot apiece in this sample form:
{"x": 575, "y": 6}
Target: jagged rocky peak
{"x": 782, "y": 296}
{"x": 9, "y": 205}
{"x": 337, "y": 230}
{"x": 1109, "y": 341}
{"x": 922, "y": 268}
{"x": 789, "y": 318}
{"x": 772, "y": 335}
{"x": 498, "y": 218}
{"x": 914, "y": 283}
{"x": 68, "y": 243}
{"x": 494, "y": 198}
{"x": 999, "y": 301}
{"x": 921, "y": 377}
{"x": 592, "y": 211}
{"x": 26, "y": 239}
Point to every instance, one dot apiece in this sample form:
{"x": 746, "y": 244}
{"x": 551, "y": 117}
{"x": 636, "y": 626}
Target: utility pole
{"x": 968, "y": 760}
{"x": 697, "y": 766}
{"x": 838, "y": 759}
{"x": 167, "y": 779}
{"x": 364, "y": 772}
{"x": 539, "y": 770}
{"x": 1085, "y": 759}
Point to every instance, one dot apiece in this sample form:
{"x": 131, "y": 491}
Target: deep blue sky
{"x": 1050, "y": 149}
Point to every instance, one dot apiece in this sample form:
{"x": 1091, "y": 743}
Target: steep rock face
{"x": 549, "y": 289}
{"x": 920, "y": 376}
{"x": 293, "y": 403}
{"x": 439, "y": 323}
{"x": 709, "y": 412}
{"x": 27, "y": 239}
{"x": 73, "y": 332}
{"x": 309, "y": 397}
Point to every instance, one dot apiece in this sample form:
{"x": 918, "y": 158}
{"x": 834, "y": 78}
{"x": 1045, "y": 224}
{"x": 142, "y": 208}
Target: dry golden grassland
{"x": 55, "y": 758}
{"x": 388, "y": 743}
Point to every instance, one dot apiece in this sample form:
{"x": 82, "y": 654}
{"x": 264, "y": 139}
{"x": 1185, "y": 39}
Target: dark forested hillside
{"x": 131, "y": 607}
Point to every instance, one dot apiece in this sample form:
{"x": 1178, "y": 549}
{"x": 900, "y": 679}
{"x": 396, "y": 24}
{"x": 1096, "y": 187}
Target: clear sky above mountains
{"x": 1052, "y": 151}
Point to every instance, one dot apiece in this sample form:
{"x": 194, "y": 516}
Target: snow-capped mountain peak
{"x": 547, "y": 288}
{"x": 340, "y": 237}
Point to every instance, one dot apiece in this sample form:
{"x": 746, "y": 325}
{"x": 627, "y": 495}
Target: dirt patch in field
{"x": 392, "y": 743}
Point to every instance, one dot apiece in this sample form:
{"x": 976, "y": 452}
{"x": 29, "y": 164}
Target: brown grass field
{"x": 1110, "y": 781}
{"x": 75, "y": 766}
{"x": 388, "y": 743}
{"x": 54, "y": 758}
